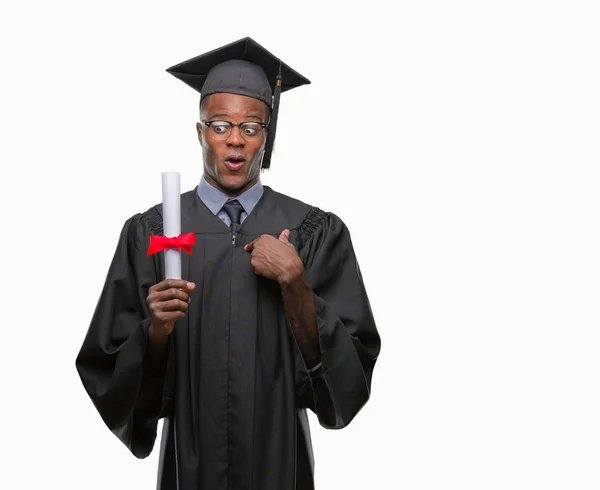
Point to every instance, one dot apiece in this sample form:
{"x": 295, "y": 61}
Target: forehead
{"x": 234, "y": 104}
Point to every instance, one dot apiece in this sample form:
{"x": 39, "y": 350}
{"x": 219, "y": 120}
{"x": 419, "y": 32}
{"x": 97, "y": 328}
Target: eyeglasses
{"x": 221, "y": 130}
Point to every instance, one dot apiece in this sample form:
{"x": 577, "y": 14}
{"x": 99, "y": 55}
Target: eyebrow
{"x": 255, "y": 116}
{"x": 212, "y": 116}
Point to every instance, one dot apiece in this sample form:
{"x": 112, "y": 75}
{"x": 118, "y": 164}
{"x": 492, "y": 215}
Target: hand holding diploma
{"x": 168, "y": 300}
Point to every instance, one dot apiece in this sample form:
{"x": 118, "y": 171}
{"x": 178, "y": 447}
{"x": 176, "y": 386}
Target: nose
{"x": 235, "y": 137}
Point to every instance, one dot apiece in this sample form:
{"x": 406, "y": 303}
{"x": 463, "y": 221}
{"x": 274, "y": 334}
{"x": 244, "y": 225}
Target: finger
{"x": 173, "y": 283}
{"x": 168, "y": 311}
{"x": 169, "y": 294}
{"x": 284, "y": 236}
{"x": 250, "y": 246}
{"x": 173, "y": 305}
{"x": 173, "y": 294}
{"x": 170, "y": 283}
{"x": 158, "y": 307}
{"x": 169, "y": 316}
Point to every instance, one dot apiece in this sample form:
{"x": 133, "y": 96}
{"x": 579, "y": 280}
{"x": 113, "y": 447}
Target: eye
{"x": 250, "y": 129}
{"x": 219, "y": 127}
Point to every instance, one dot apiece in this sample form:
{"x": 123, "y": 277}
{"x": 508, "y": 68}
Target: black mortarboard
{"x": 243, "y": 67}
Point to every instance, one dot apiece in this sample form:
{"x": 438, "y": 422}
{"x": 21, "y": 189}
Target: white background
{"x": 458, "y": 140}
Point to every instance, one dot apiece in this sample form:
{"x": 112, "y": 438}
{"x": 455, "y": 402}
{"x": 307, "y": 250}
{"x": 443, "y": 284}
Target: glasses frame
{"x": 232, "y": 124}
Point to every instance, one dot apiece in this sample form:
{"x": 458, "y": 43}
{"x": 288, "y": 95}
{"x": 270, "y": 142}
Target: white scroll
{"x": 172, "y": 221}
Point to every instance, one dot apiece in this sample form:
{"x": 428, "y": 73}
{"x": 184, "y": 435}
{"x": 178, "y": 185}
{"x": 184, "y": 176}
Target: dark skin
{"x": 273, "y": 258}
{"x": 168, "y": 301}
{"x": 278, "y": 260}
{"x": 233, "y": 108}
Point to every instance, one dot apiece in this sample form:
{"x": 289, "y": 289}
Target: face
{"x": 233, "y": 164}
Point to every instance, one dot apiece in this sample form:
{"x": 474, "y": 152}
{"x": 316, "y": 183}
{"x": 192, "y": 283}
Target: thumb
{"x": 284, "y": 236}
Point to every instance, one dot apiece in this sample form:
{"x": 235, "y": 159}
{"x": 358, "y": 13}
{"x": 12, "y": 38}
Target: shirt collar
{"x": 214, "y": 199}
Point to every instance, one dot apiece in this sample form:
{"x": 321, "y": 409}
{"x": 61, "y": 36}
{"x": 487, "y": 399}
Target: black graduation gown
{"x": 234, "y": 389}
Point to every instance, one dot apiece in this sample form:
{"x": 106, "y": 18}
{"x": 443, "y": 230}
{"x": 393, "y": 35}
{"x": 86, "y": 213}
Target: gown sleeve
{"x": 129, "y": 393}
{"x": 337, "y": 388}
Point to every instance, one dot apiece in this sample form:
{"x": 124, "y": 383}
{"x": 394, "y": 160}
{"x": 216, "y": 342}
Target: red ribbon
{"x": 159, "y": 243}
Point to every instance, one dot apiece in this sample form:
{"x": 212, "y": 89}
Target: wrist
{"x": 158, "y": 336}
{"x": 294, "y": 277}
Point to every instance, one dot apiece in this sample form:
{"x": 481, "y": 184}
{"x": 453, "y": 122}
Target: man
{"x": 272, "y": 317}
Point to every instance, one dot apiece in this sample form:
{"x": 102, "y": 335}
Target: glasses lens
{"x": 220, "y": 129}
{"x": 250, "y": 130}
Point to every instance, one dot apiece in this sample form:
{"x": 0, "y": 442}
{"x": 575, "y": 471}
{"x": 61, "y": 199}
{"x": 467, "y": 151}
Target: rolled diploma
{"x": 171, "y": 221}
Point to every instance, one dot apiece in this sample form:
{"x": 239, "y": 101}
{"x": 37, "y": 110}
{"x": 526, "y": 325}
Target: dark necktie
{"x": 234, "y": 209}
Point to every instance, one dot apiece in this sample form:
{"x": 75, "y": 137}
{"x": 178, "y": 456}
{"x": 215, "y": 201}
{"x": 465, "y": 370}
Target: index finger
{"x": 173, "y": 283}
{"x": 250, "y": 246}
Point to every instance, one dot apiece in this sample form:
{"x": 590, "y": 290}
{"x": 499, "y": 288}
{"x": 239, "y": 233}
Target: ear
{"x": 199, "y": 130}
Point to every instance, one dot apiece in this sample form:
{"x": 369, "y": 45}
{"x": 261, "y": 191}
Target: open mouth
{"x": 235, "y": 162}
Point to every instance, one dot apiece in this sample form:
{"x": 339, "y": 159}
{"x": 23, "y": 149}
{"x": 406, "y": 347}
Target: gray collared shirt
{"x": 214, "y": 199}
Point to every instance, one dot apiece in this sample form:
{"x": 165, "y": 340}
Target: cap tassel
{"x": 266, "y": 163}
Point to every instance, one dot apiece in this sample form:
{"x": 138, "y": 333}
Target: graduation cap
{"x": 243, "y": 67}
